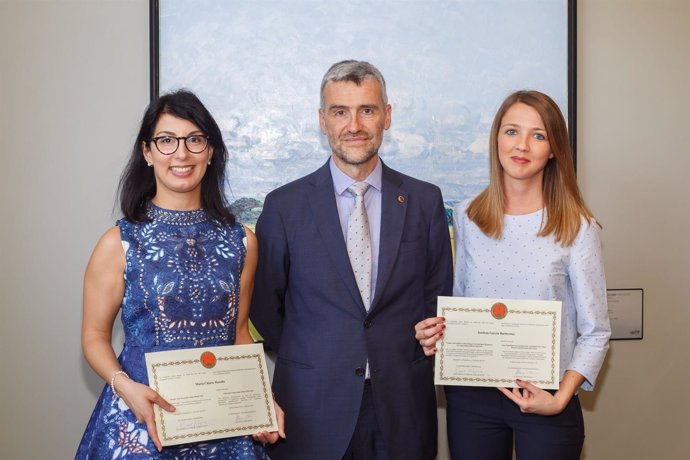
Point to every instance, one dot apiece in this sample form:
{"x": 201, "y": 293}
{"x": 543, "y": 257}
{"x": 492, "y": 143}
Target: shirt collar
{"x": 342, "y": 181}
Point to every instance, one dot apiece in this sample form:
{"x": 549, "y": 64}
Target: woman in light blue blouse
{"x": 528, "y": 235}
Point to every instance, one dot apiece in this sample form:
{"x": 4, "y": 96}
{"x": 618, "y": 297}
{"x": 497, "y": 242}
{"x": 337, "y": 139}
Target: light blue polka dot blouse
{"x": 522, "y": 265}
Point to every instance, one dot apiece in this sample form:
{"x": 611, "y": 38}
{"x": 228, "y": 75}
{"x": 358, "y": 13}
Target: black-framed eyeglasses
{"x": 167, "y": 145}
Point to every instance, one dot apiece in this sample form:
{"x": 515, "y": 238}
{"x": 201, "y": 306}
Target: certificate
{"x": 218, "y": 392}
{"x": 492, "y": 342}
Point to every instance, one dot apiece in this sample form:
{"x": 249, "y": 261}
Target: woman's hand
{"x": 533, "y": 400}
{"x": 428, "y": 332}
{"x": 272, "y": 437}
{"x": 140, "y": 400}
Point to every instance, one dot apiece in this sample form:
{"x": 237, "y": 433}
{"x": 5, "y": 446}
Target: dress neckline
{"x": 173, "y": 217}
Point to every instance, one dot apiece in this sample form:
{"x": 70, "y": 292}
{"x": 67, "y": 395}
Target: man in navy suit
{"x": 350, "y": 376}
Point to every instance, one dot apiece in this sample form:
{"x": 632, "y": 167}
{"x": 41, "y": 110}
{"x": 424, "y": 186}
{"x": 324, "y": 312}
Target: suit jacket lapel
{"x": 393, "y": 209}
{"x": 323, "y": 205}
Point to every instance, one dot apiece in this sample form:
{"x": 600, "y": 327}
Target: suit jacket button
{"x": 368, "y": 323}
{"x": 359, "y": 371}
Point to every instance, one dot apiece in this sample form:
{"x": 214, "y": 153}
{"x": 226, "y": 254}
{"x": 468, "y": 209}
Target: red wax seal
{"x": 499, "y": 310}
{"x": 208, "y": 359}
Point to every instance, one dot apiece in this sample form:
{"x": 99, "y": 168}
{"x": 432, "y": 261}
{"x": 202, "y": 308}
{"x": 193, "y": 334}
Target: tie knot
{"x": 358, "y": 188}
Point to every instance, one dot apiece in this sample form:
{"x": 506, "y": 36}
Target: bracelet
{"x": 112, "y": 382}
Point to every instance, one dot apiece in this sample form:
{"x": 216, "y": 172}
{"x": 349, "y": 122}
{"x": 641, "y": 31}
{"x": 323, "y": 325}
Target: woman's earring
{"x": 550, "y": 156}
{"x": 209, "y": 161}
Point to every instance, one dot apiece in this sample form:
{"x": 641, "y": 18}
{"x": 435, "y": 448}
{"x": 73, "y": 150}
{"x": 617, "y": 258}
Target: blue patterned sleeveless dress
{"x": 182, "y": 285}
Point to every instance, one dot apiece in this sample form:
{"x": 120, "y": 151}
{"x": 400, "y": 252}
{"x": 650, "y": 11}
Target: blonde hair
{"x": 563, "y": 201}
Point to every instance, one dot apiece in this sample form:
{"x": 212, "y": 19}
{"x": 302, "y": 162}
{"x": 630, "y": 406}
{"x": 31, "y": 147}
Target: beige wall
{"x": 73, "y": 85}
{"x": 634, "y": 165}
{"x": 74, "y": 82}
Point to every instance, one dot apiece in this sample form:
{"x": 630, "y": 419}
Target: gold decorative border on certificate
{"x": 228, "y": 431}
{"x": 554, "y": 371}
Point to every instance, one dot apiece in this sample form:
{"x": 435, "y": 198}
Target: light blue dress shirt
{"x": 522, "y": 265}
{"x": 372, "y": 202}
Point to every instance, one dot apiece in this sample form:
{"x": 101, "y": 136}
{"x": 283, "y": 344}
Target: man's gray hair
{"x": 356, "y": 72}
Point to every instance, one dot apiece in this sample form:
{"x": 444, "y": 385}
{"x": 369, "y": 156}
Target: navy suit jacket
{"x": 307, "y": 307}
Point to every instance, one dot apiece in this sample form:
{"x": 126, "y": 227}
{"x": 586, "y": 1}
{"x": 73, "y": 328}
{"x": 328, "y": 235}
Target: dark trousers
{"x": 482, "y": 423}
{"x": 367, "y": 440}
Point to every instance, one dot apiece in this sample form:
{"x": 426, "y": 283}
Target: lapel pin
{"x": 401, "y": 199}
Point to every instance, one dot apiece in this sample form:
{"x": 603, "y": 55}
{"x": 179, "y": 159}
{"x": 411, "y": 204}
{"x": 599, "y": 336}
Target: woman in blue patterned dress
{"x": 528, "y": 235}
{"x": 182, "y": 271}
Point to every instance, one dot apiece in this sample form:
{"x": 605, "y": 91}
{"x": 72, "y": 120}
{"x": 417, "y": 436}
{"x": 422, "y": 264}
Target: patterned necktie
{"x": 359, "y": 242}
